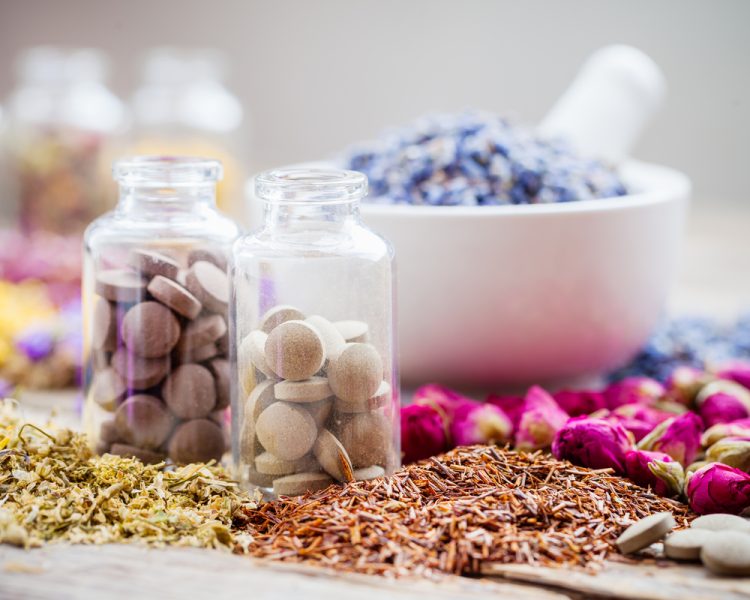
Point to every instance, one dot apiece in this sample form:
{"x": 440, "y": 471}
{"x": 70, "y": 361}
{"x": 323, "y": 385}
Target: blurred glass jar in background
{"x": 62, "y": 125}
{"x": 182, "y": 107}
{"x": 155, "y": 306}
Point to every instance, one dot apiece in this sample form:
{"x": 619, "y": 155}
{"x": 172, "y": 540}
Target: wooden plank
{"x": 61, "y": 571}
{"x": 632, "y": 581}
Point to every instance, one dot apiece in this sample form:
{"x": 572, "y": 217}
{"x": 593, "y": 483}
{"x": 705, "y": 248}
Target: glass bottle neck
{"x": 310, "y": 215}
{"x": 148, "y": 200}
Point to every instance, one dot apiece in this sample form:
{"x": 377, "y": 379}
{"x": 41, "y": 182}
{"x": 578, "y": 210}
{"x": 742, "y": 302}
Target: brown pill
{"x": 151, "y": 263}
{"x": 195, "y": 441}
{"x": 100, "y": 359}
{"x": 333, "y": 457}
{"x": 727, "y": 553}
{"x": 367, "y": 438}
{"x": 104, "y": 326}
{"x": 198, "y": 355}
{"x": 172, "y": 294}
{"x": 686, "y": 544}
{"x": 356, "y": 373}
{"x": 251, "y": 355}
{"x": 278, "y": 315}
{"x": 300, "y": 483}
{"x": 143, "y": 421}
{"x": 189, "y": 391}
{"x": 148, "y": 457}
{"x": 333, "y": 341}
{"x": 286, "y": 430}
{"x": 139, "y": 373}
{"x": 320, "y": 410}
{"x": 721, "y": 522}
{"x": 380, "y": 399}
{"x": 367, "y": 473}
{"x": 150, "y": 330}
{"x": 107, "y": 389}
{"x": 210, "y": 285}
{"x": 268, "y": 464}
{"x": 202, "y": 331}
{"x": 307, "y": 390}
{"x": 250, "y": 447}
{"x": 260, "y": 479}
{"x": 108, "y": 432}
{"x": 217, "y": 257}
{"x": 102, "y": 447}
{"x": 353, "y": 331}
{"x": 119, "y": 285}
{"x": 260, "y": 398}
{"x": 220, "y": 369}
{"x": 645, "y": 532}
{"x": 294, "y": 350}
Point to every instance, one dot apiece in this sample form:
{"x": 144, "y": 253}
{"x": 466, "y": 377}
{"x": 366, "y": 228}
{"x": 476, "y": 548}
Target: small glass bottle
{"x": 156, "y": 293}
{"x": 315, "y": 387}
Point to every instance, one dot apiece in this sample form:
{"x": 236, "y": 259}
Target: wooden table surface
{"x": 714, "y": 279}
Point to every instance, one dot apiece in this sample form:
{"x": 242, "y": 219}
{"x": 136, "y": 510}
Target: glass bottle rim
{"x": 310, "y": 186}
{"x": 167, "y": 171}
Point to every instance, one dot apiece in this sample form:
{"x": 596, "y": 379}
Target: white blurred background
{"x": 316, "y": 76}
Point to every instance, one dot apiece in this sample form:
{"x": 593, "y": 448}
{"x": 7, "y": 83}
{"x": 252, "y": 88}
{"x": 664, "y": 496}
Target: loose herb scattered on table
{"x": 452, "y": 512}
{"x": 53, "y": 489}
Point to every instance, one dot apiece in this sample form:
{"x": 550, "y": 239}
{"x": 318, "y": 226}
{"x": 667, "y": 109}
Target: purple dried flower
{"x": 478, "y": 423}
{"x": 512, "y": 406}
{"x": 680, "y": 437}
{"x": 722, "y": 408}
{"x": 541, "y": 418}
{"x": 580, "y": 402}
{"x": 718, "y": 488}
{"x": 423, "y": 433}
{"x": 593, "y": 443}
{"x": 684, "y": 383}
{"x": 655, "y": 470}
{"x": 633, "y": 390}
{"x": 36, "y": 343}
{"x": 738, "y": 428}
{"x": 737, "y": 371}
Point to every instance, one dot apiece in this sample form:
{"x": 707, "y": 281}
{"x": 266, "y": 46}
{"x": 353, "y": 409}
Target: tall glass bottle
{"x": 316, "y": 391}
{"x": 156, "y": 295}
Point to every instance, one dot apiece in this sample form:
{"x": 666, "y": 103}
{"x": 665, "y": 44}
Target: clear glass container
{"x": 315, "y": 386}
{"x": 155, "y": 295}
{"x": 63, "y": 127}
{"x": 183, "y": 106}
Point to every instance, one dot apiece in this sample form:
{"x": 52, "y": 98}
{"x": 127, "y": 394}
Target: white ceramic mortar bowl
{"x": 510, "y": 295}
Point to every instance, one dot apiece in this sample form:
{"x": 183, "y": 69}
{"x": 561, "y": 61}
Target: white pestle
{"x": 607, "y": 106}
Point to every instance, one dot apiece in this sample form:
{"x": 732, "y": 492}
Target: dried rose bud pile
{"x": 689, "y": 436}
{"x": 454, "y": 512}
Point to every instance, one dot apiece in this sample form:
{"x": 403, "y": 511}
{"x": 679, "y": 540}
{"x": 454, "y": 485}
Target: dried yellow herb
{"x": 53, "y": 489}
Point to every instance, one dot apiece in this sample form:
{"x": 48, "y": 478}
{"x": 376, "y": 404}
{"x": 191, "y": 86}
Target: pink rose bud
{"x": 512, "y": 406}
{"x": 680, "y": 437}
{"x": 579, "y": 402}
{"x": 633, "y": 390}
{"x": 739, "y": 428}
{"x": 476, "y": 423}
{"x": 732, "y": 451}
{"x": 737, "y": 371}
{"x": 593, "y": 443}
{"x": 443, "y": 399}
{"x": 638, "y": 419}
{"x": 718, "y": 488}
{"x": 423, "y": 432}
{"x": 684, "y": 382}
{"x": 541, "y": 418}
{"x": 655, "y": 470}
{"x": 722, "y": 408}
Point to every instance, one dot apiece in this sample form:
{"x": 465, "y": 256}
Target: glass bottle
{"x": 63, "y": 123}
{"x": 183, "y": 106}
{"x": 155, "y": 293}
{"x": 315, "y": 387}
